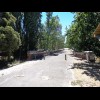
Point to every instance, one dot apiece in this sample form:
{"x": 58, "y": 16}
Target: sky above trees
{"x": 66, "y": 19}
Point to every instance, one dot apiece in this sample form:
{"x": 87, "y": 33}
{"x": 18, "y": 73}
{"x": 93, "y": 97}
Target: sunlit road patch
{"x": 45, "y": 78}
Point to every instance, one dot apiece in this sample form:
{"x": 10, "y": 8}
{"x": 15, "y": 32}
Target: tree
{"x": 18, "y": 16}
{"x": 79, "y": 35}
{"x": 32, "y": 22}
{"x": 73, "y": 37}
{"x": 42, "y": 40}
{"x": 49, "y": 16}
{"x": 19, "y": 53}
{"x": 54, "y": 38}
{"x": 56, "y": 32}
{"x": 9, "y": 38}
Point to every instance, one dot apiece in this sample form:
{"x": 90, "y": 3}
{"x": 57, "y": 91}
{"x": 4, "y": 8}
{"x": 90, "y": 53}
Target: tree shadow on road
{"x": 91, "y": 69}
{"x": 56, "y": 53}
{"x": 5, "y": 64}
{"x": 53, "y": 54}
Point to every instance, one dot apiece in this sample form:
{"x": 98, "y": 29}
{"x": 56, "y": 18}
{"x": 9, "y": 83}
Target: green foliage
{"x": 18, "y": 16}
{"x": 48, "y": 28}
{"x": 79, "y": 35}
{"x": 42, "y": 40}
{"x": 51, "y": 34}
{"x": 32, "y": 22}
{"x": 9, "y": 38}
{"x": 7, "y": 19}
{"x": 32, "y": 35}
{"x": 56, "y": 33}
{"x": 20, "y": 53}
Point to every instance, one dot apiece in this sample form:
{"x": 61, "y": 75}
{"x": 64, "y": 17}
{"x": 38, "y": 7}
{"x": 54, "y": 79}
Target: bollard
{"x": 65, "y": 56}
{"x": 35, "y": 57}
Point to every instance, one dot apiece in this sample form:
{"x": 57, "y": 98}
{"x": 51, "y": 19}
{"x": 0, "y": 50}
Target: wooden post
{"x": 65, "y": 56}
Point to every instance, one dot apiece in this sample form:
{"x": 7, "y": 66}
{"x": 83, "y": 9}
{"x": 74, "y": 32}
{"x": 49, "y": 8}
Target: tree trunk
{"x": 9, "y": 55}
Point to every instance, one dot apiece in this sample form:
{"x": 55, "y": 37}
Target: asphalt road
{"x": 52, "y": 72}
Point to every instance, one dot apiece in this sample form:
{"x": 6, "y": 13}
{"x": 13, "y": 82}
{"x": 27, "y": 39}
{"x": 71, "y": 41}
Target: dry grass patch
{"x": 86, "y": 75}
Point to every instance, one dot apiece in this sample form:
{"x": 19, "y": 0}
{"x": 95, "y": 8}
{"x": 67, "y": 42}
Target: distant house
{"x": 96, "y": 33}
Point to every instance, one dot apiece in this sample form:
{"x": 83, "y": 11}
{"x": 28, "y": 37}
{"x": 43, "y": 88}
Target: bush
{"x": 3, "y": 64}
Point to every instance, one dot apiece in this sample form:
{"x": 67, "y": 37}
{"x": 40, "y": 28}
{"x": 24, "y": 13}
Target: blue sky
{"x": 65, "y": 19}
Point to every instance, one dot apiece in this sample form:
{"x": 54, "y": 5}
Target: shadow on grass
{"x": 91, "y": 69}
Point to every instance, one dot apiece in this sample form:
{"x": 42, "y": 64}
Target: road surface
{"x": 52, "y": 72}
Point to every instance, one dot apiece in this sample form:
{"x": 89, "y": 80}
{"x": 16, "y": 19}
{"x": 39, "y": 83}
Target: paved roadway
{"x": 52, "y": 72}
